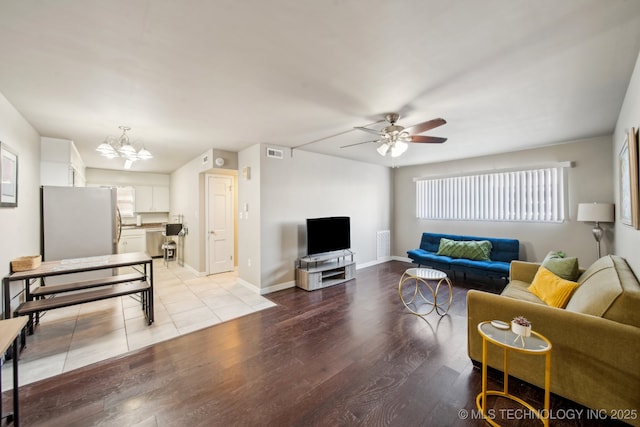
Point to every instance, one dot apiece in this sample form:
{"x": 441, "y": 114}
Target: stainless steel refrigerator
{"x": 78, "y": 222}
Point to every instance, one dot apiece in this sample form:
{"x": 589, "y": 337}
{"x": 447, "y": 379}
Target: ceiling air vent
{"x": 275, "y": 153}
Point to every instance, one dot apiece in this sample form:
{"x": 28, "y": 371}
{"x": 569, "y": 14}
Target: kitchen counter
{"x": 157, "y": 225}
{"x": 147, "y": 237}
{"x": 142, "y": 238}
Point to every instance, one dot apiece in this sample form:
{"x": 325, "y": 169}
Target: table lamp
{"x": 596, "y": 212}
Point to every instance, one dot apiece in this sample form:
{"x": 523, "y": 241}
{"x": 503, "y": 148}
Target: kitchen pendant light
{"x": 113, "y": 147}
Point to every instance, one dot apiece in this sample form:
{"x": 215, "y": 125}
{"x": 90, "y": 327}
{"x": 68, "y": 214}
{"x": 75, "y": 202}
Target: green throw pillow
{"x": 561, "y": 266}
{"x": 479, "y": 250}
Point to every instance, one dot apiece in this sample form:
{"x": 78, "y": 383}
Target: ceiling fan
{"x": 394, "y": 137}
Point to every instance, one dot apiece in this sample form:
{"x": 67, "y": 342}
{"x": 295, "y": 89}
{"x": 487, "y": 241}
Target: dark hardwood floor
{"x": 346, "y": 355}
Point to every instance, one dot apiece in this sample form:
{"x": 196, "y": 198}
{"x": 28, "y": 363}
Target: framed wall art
{"x": 629, "y": 180}
{"x": 9, "y": 175}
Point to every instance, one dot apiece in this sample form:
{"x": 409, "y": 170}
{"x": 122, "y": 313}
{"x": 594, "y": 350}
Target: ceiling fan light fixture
{"x": 399, "y": 148}
{"x": 383, "y": 149}
{"x": 394, "y": 138}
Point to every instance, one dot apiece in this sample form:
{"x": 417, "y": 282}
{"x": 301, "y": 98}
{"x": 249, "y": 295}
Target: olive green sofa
{"x": 595, "y": 357}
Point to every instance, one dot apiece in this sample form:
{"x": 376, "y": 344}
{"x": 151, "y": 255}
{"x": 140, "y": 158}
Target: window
{"x": 527, "y": 195}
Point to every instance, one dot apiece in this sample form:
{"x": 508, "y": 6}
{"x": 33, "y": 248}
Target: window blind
{"x": 526, "y": 195}
{"x": 126, "y": 201}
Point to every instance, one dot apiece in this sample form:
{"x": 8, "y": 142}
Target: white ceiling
{"x": 188, "y": 76}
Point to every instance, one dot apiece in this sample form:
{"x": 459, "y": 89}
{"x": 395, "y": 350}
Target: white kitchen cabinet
{"x": 152, "y": 198}
{"x": 161, "y": 199}
{"x": 144, "y": 198}
{"x": 60, "y": 163}
{"x": 132, "y": 240}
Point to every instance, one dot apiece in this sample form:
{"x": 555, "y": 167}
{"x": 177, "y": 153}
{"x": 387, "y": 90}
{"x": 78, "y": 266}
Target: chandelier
{"x": 114, "y": 147}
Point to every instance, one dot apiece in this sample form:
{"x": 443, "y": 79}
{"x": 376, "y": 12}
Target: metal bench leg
{"x": 150, "y": 296}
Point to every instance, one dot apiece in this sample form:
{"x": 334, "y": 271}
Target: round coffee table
{"x": 420, "y": 296}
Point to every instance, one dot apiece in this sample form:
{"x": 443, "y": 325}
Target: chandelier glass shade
{"x": 120, "y": 147}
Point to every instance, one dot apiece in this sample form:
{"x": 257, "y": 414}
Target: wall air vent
{"x": 275, "y": 153}
{"x": 383, "y": 245}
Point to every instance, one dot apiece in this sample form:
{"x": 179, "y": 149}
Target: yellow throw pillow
{"x": 553, "y": 290}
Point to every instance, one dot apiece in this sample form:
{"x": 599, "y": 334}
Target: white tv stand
{"x": 327, "y": 269}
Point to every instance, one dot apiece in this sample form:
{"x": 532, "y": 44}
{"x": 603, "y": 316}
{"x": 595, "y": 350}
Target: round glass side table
{"x": 535, "y": 345}
{"x": 423, "y": 290}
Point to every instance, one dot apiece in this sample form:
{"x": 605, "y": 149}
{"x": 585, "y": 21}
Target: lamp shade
{"x": 595, "y": 212}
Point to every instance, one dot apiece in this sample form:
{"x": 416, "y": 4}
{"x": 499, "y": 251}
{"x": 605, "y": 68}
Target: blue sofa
{"x": 503, "y": 251}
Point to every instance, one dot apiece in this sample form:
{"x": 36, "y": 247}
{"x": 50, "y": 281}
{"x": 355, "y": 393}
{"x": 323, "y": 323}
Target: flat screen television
{"x": 328, "y": 234}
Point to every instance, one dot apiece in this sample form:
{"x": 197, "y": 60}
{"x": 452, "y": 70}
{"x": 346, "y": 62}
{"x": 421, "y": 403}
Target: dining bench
{"x": 35, "y": 300}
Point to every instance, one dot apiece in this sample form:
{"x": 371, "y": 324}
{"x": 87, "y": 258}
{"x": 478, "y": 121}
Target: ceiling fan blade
{"x": 423, "y": 127}
{"x": 427, "y": 139}
{"x": 359, "y": 143}
{"x": 377, "y": 132}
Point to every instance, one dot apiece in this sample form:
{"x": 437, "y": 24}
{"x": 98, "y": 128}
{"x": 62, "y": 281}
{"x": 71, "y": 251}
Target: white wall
{"x": 20, "y": 227}
{"x": 285, "y": 192}
{"x": 589, "y": 181}
{"x": 627, "y": 239}
{"x": 188, "y": 199}
{"x": 186, "y": 193}
{"x": 249, "y": 223}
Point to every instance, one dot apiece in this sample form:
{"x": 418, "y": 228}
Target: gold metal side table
{"x": 536, "y": 345}
{"x": 418, "y": 294}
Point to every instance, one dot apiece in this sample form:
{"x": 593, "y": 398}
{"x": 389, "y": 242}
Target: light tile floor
{"x": 72, "y": 337}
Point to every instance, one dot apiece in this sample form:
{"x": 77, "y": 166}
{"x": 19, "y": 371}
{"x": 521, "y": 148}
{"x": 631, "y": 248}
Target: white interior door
{"x": 220, "y": 223}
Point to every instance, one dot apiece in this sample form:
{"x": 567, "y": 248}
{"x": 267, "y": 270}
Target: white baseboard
{"x": 382, "y": 261}
{"x": 192, "y": 270}
{"x": 292, "y": 284}
{"x": 249, "y": 285}
{"x": 278, "y": 287}
{"x": 267, "y": 290}
{"x": 372, "y": 263}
